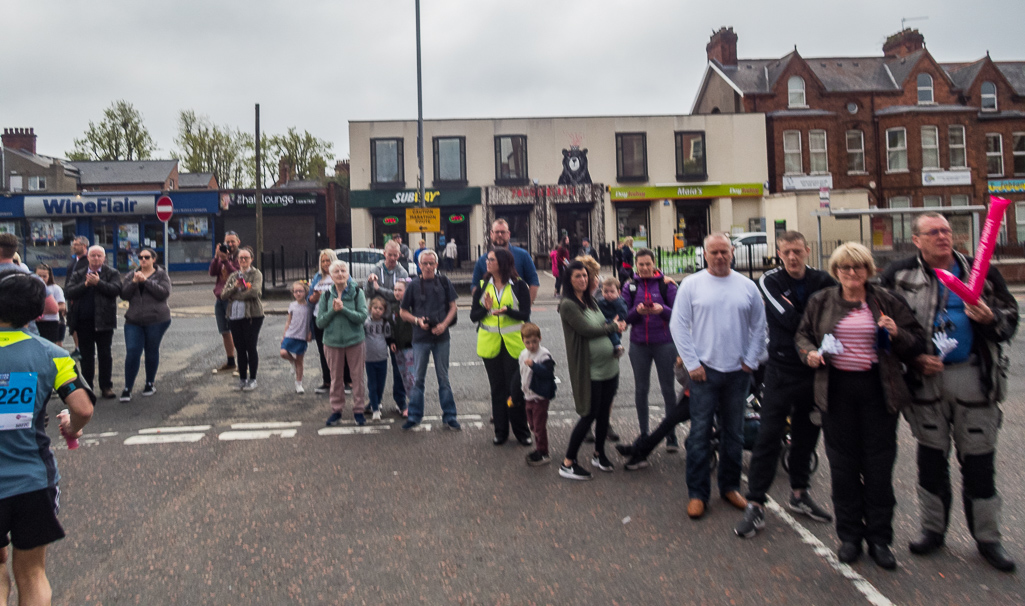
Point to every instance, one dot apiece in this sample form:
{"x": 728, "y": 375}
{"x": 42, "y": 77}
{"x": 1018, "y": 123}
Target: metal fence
{"x": 281, "y": 269}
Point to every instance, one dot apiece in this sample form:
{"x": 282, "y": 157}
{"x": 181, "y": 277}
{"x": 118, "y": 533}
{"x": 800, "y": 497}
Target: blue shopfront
{"x": 121, "y": 222}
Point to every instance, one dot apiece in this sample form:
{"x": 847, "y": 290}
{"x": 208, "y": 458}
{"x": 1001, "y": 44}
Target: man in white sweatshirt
{"x": 718, "y": 326}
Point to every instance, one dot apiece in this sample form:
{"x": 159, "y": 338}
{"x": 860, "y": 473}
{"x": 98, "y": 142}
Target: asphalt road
{"x": 283, "y": 513}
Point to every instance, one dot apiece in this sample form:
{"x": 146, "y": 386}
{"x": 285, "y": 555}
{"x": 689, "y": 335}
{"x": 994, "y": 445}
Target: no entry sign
{"x": 165, "y": 208}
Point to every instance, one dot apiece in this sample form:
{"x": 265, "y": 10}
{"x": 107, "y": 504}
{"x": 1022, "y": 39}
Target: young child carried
{"x": 298, "y": 332}
{"x": 612, "y": 305}
{"x": 537, "y": 377}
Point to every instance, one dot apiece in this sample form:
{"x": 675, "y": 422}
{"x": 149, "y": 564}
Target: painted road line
{"x": 272, "y": 425}
{"x": 193, "y": 428}
{"x": 164, "y": 438}
{"x": 352, "y": 430}
{"x": 256, "y": 434}
{"x": 91, "y": 436}
{"x": 460, "y": 417}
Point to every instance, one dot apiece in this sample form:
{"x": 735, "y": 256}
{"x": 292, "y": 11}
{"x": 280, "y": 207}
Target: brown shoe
{"x": 736, "y": 499}
{"x": 109, "y": 394}
{"x": 696, "y": 508}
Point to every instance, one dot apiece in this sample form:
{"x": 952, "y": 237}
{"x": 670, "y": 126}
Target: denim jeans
{"x": 723, "y": 394}
{"x": 377, "y": 375}
{"x": 139, "y": 339}
{"x": 422, "y": 353}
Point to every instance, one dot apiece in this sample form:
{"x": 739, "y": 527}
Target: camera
{"x": 223, "y": 248}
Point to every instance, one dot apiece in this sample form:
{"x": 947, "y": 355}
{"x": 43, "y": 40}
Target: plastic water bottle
{"x": 61, "y": 416}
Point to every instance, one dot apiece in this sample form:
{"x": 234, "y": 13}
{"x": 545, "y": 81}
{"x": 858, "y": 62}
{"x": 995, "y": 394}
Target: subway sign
{"x": 89, "y": 206}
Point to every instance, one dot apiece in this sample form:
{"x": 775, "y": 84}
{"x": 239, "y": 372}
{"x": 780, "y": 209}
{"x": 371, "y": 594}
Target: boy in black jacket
{"x": 537, "y": 375}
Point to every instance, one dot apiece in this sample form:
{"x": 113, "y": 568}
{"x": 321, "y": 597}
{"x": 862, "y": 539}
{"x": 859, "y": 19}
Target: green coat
{"x": 343, "y": 328}
{"x": 579, "y": 330}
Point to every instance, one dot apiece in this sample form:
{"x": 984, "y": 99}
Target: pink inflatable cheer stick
{"x": 61, "y": 417}
{"x": 970, "y": 293}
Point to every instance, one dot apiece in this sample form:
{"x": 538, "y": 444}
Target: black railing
{"x": 280, "y": 268}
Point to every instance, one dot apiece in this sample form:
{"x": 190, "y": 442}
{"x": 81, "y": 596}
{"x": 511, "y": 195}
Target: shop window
{"x": 792, "y": 152}
{"x": 518, "y": 219}
{"x": 896, "y": 150}
{"x": 1002, "y": 234}
{"x": 1018, "y": 149}
{"x": 901, "y": 223}
{"x": 47, "y": 241}
{"x": 387, "y": 225}
{"x": 925, "y": 92}
{"x": 930, "y": 147}
{"x": 631, "y": 157}
{"x": 1019, "y": 213}
{"x": 818, "y": 155}
{"x": 932, "y": 201}
{"x": 36, "y": 183}
{"x": 386, "y": 163}
{"x": 632, "y": 221}
{"x": 795, "y": 92}
{"x": 959, "y": 200}
{"x": 994, "y": 154}
{"x": 190, "y": 239}
{"x": 988, "y": 96}
{"x": 690, "y": 156}
{"x": 511, "y": 160}
{"x": 855, "y": 151}
{"x": 450, "y": 161}
{"x": 958, "y": 158}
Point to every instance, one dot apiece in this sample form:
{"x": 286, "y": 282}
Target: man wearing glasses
{"x": 957, "y": 387}
{"x": 524, "y": 264}
{"x": 224, "y": 263}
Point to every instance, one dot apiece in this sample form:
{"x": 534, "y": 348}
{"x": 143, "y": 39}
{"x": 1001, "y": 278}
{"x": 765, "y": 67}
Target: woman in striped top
{"x": 859, "y": 392}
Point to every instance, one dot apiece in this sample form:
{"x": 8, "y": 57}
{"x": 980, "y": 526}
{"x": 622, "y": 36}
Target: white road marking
{"x": 106, "y": 434}
{"x": 164, "y": 438}
{"x": 461, "y": 418}
{"x": 273, "y": 425}
{"x": 174, "y": 429}
{"x": 256, "y": 434}
{"x": 352, "y": 430}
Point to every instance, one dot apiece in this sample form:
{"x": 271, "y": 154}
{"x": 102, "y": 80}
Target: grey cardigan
{"x": 147, "y": 301}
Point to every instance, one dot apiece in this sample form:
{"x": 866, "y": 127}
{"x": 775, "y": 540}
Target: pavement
{"x": 205, "y": 495}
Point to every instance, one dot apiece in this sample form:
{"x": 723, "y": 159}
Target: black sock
{"x": 231, "y": 360}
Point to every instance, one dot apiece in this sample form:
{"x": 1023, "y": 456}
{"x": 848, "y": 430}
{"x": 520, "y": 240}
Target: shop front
{"x": 293, "y": 221}
{"x": 120, "y": 222}
{"x": 540, "y": 215}
{"x": 674, "y": 216}
{"x": 387, "y": 215}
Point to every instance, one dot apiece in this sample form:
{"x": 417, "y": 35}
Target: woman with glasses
{"x": 859, "y": 338}
{"x": 242, "y": 291}
{"x": 50, "y": 323}
{"x": 146, "y": 289}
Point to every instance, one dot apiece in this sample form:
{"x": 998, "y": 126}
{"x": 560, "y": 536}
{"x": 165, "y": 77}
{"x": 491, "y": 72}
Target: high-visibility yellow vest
{"x": 494, "y": 330}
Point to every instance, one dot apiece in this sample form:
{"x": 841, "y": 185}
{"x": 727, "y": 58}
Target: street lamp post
{"x": 420, "y": 113}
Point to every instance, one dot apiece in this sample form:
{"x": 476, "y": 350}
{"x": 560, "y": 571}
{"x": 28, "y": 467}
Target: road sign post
{"x": 165, "y": 210}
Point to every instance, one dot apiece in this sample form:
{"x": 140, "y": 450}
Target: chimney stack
{"x": 903, "y": 43}
{"x": 285, "y": 173}
{"x": 20, "y": 138}
{"x": 342, "y": 168}
{"x": 723, "y": 47}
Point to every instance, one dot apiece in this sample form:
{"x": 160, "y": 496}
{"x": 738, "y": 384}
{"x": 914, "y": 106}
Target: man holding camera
{"x": 224, "y": 263}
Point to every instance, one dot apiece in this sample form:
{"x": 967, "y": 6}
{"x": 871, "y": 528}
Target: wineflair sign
{"x": 89, "y": 206}
{"x": 683, "y": 192}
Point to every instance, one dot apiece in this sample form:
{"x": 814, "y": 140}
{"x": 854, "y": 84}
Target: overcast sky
{"x": 316, "y": 64}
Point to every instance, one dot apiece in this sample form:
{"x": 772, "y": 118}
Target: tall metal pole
{"x": 259, "y": 193}
{"x": 419, "y": 113}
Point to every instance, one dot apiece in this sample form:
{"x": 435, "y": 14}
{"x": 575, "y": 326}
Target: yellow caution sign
{"x": 423, "y": 219}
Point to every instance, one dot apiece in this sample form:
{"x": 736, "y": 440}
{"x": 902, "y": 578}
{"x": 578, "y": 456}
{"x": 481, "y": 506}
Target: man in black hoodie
{"x": 788, "y": 389}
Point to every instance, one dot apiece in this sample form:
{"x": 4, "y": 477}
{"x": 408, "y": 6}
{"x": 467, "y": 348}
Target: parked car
{"x": 361, "y": 260}
{"x": 751, "y": 246}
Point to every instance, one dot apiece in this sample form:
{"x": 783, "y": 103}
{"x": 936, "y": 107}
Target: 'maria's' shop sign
{"x": 78, "y": 206}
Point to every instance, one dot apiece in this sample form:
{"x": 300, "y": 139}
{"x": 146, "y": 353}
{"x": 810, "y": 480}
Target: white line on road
{"x": 164, "y": 438}
{"x": 106, "y": 434}
{"x": 272, "y": 425}
{"x": 256, "y": 434}
{"x": 174, "y": 429}
{"x": 352, "y": 430}
{"x": 461, "y": 418}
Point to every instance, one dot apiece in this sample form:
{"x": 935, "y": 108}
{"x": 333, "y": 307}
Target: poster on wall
{"x": 46, "y": 232}
{"x": 8, "y": 228}
{"x": 193, "y": 226}
{"x": 128, "y": 236}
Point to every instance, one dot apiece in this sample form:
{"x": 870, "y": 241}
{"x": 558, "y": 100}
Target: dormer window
{"x": 989, "y": 96}
{"x": 925, "y": 95}
{"x": 795, "y": 90}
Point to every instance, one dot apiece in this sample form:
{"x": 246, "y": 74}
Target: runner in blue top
{"x": 30, "y": 367}
{"x": 524, "y": 264}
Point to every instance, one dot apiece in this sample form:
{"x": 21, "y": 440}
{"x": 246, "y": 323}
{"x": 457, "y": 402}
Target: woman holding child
{"x": 500, "y": 307}
{"x": 593, "y": 368}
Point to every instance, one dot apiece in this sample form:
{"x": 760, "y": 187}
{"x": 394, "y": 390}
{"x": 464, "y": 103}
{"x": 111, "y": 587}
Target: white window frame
{"x": 957, "y": 131}
{"x": 797, "y": 95}
{"x": 897, "y": 151}
{"x": 1018, "y": 153}
{"x": 818, "y": 154}
{"x": 901, "y": 223}
{"x": 989, "y": 98}
{"x": 931, "y": 153}
{"x": 997, "y": 155}
{"x": 960, "y": 200}
{"x": 788, "y": 154}
{"x": 927, "y": 89}
{"x": 1019, "y": 215}
{"x": 856, "y": 153}
{"x": 932, "y": 201}
{"x": 37, "y": 183}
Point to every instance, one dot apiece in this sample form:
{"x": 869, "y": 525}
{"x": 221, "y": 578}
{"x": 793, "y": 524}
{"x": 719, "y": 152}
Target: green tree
{"x": 306, "y": 154}
{"x": 207, "y": 147}
{"x": 121, "y": 135}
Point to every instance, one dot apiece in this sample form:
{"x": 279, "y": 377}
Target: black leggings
{"x": 504, "y": 379}
{"x": 325, "y": 371}
{"x": 246, "y": 334}
{"x": 602, "y": 395}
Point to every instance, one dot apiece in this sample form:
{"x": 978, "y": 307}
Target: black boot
{"x": 996, "y": 556}
{"x": 926, "y": 543}
{"x": 849, "y": 552}
{"x": 882, "y": 556}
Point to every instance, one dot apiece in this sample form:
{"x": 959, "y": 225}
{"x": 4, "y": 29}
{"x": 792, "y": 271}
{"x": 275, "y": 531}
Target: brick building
{"x": 910, "y": 131}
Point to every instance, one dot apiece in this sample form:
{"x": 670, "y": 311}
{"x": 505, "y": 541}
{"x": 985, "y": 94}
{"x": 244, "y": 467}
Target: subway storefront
{"x": 121, "y": 222}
